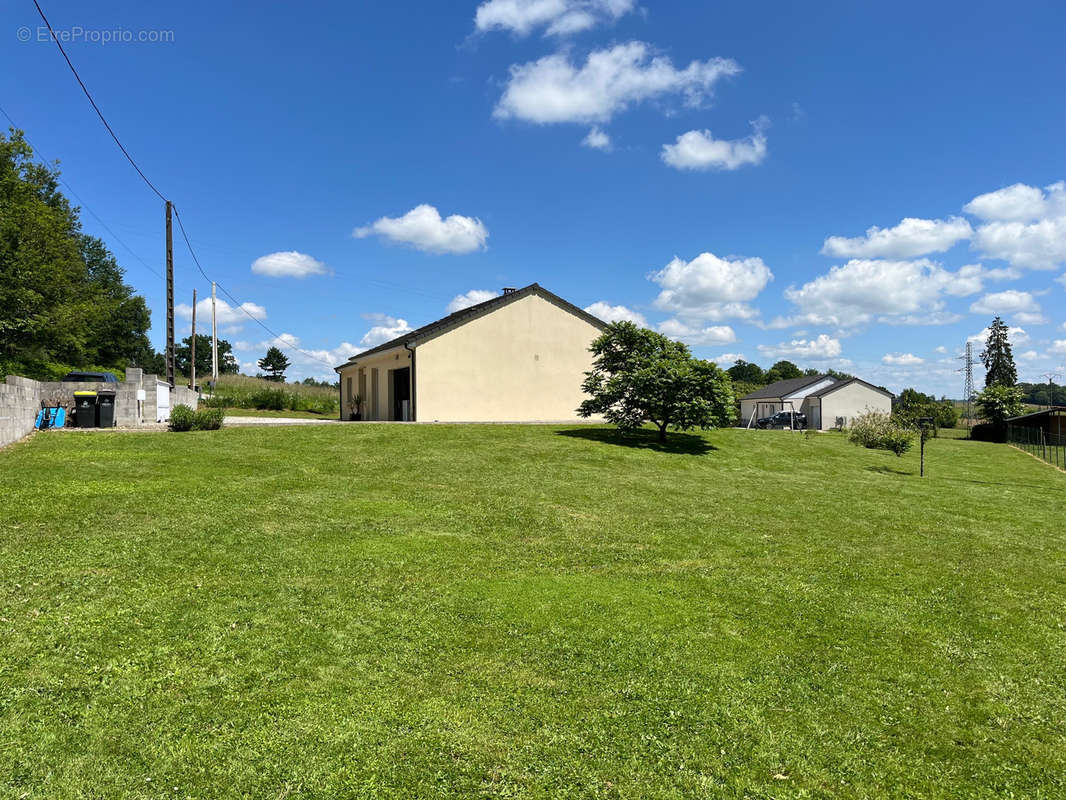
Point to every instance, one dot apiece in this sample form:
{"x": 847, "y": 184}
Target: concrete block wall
{"x": 183, "y": 395}
{"x": 20, "y": 400}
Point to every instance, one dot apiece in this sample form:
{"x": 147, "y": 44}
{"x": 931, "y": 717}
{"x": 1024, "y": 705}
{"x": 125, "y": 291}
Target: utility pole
{"x": 170, "y": 300}
{"x": 1050, "y": 387}
{"x": 192, "y": 360}
{"x": 214, "y": 340}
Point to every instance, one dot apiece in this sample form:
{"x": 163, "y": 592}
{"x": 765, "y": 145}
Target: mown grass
{"x": 464, "y": 611}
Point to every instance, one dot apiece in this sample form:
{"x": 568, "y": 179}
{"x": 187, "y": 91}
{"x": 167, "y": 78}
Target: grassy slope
{"x": 460, "y": 611}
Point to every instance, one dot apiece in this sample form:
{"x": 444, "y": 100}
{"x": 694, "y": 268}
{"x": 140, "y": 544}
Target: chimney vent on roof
{"x": 509, "y": 290}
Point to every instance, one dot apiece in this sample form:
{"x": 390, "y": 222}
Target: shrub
{"x": 182, "y": 418}
{"x": 269, "y": 399}
{"x": 879, "y": 431}
{"x": 207, "y": 419}
{"x": 946, "y": 415}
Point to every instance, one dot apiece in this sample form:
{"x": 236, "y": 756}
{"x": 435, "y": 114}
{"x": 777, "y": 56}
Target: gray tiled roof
{"x": 784, "y": 388}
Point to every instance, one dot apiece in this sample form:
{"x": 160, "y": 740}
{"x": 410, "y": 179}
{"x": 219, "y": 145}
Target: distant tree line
{"x": 63, "y": 298}
{"x": 1043, "y": 394}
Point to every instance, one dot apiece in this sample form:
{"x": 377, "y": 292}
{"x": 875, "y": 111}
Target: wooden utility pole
{"x": 192, "y": 359}
{"x": 170, "y": 300}
{"x": 214, "y": 340}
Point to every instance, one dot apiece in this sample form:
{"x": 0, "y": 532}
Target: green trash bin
{"x": 85, "y": 409}
{"x": 105, "y": 408}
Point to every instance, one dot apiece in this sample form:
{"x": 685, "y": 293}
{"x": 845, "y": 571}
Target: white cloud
{"x": 388, "y": 328}
{"x": 941, "y": 349}
{"x": 423, "y": 229}
{"x": 1058, "y": 347}
{"x": 709, "y": 287}
{"x": 557, "y": 17}
{"x": 608, "y": 313}
{"x": 1029, "y": 318}
{"x": 306, "y": 362}
{"x": 699, "y": 150}
{"x": 1028, "y": 355}
{"x": 727, "y": 359}
{"x": 1019, "y": 203}
{"x": 912, "y": 237}
{"x": 597, "y": 139}
{"x": 288, "y": 263}
{"x": 902, "y": 359}
{"x": 229, "y": 316}
{"x": 552, "y": 89}
{"x": 695, "y": 335}
{"x": 820, "y": 348}
{"x": 862, "y": 290}
{"x": 1038, "y": 245}
{"x": 1024, "y": 225}
{"x": 968, "y": 280}
{"x": 471, "y": 298}
{"x": 1005, "y": 303}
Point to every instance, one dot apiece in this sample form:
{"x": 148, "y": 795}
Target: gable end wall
{"x": 524, "y": 362}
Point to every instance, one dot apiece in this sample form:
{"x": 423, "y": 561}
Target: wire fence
{"x": 1050, "y": 447}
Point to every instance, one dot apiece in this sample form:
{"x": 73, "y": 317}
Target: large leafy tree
{"x": 998, "y": 403}
{"x": 783, "y": 370}
{"x": 274, "y": 363}
{"x": 62, "y": 294}
{"x": 639, "y": 376}
{"x": 747, "y": 372}
{"x": 227, "y": 362}
{"x": 911, "y": 405}
{"x": 998, "y": 357}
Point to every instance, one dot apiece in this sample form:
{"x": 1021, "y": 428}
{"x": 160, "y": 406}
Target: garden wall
{"x": 22, "y": 398}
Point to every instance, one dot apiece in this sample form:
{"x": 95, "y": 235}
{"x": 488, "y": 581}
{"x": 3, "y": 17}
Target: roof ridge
{"x": 464, "y": 314}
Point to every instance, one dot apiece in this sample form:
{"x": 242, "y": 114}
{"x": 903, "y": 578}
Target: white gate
{"x": 162, "y": 401}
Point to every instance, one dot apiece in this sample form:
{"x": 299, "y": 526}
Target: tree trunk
{"x": 662, "y": 433}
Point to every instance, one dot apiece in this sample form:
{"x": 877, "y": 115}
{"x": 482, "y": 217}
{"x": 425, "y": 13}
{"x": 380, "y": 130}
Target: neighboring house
{"x": 827, "y": 402}
{"x": 520, "y": 357}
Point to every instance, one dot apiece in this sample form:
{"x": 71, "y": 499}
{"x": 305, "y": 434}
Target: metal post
{"x": 170, "y": 300}
{"x": 192, "y": 347}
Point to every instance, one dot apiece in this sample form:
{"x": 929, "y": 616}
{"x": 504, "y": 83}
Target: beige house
{"x": 826, "y": 401}
{"x": 520, "y": 357}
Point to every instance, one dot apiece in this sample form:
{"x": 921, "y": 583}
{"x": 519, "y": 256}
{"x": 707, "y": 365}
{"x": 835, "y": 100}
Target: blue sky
{"x": 849, "y": 185}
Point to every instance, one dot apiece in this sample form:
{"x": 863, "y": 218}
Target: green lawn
{"x": 465, "y": 611}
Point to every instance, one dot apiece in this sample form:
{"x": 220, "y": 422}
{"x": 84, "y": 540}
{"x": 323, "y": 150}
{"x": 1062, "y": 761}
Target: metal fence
{"x": 1038, "y": 442}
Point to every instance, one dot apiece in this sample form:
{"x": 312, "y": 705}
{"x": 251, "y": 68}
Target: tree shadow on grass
{"x": 676, "y": 442}
{"x": 886, "y": 470}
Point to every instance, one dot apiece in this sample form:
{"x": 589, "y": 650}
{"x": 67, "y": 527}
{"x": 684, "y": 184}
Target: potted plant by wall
{"x": 355, "y": 408}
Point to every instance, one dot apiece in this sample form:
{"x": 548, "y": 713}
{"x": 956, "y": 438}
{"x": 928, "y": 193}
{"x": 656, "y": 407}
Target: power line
{"x": 96, "y": 108}
{"x": 152, "y": 186}
{"x": 84, "y": 205}
{"x": 236, "y": 302}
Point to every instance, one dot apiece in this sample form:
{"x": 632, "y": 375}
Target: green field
{"x": 493, "y": 611}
